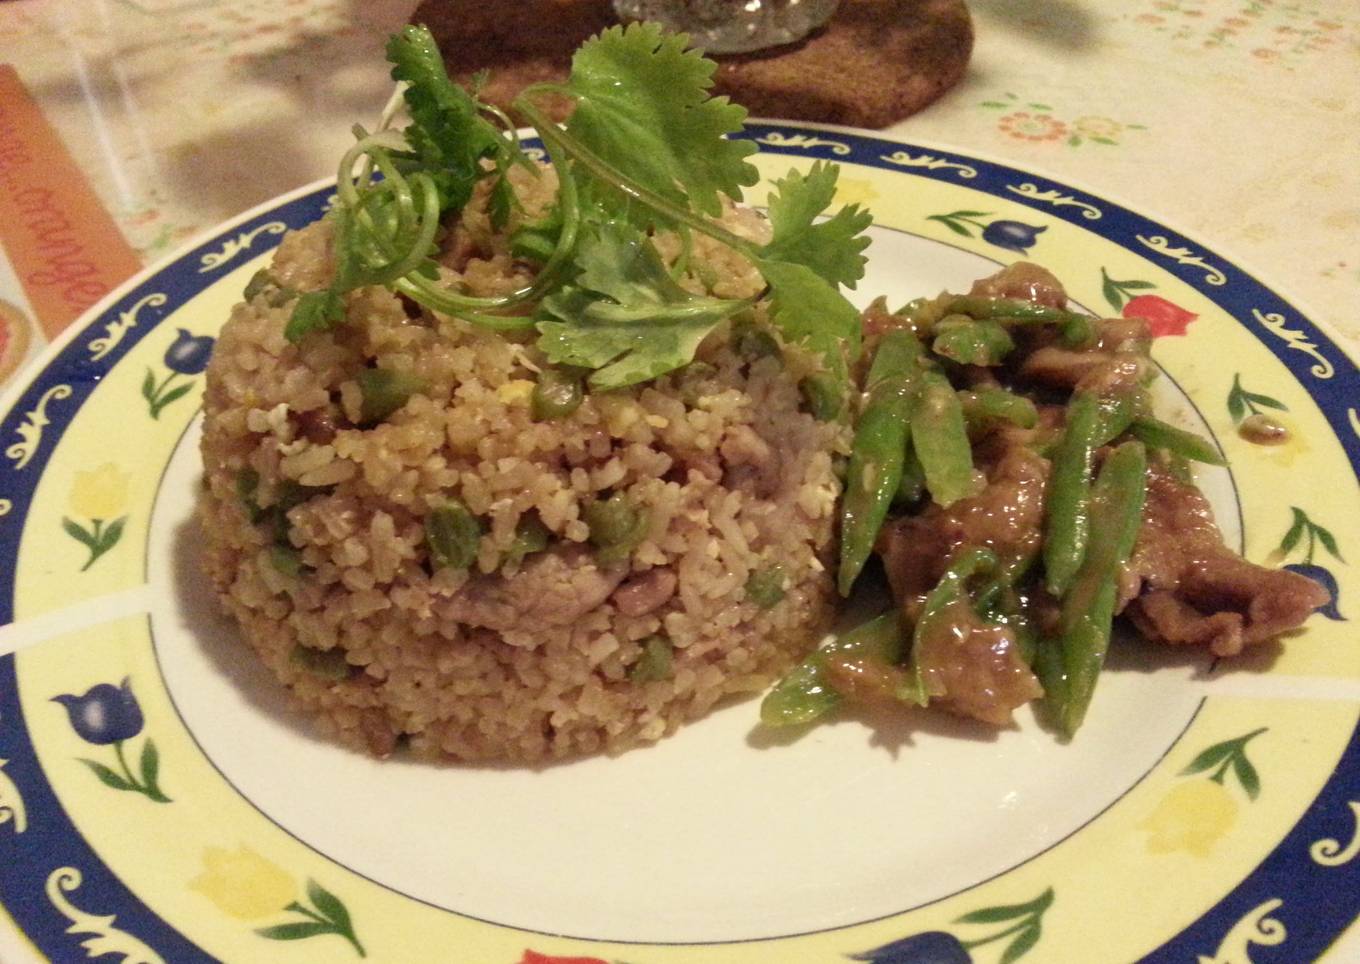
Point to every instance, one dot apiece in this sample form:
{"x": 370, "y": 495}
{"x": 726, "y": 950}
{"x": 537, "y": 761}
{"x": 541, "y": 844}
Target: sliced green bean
{"x": 878, "y": 450}
{"x": 247, "y": 482}
{"x": 1159, "y": 435}
{"x": 754, "y": 343}
{"x": 1080, "y": 331}
{"x": 1116, "y": 413}
{"x": 806, "y": 693}
{"x": 617, "y": 527}
{"x": 913, "y": 484}
{"x": 1066, "y": 515}
{"x": 822, "y": 394}
{"x": 1008, "y": 310}
{"x": 951, "y": 590}
{"x": 556, "y": 394}
{"x": 329, "y": 664}
{"x": 531, "y": 536}
{"x": 453, "y": 535}
{"x": 1088, "y": 607}
{"x": 940, "y": 438}
{"x": 655, "y": 663}
{"x": 972, "y": 342}
{"x": 1048, "y": 667}
{"x": 259, "y": 281}
{"x": 384, "y": 392}
{"x": 765, "y": 587}
{"x": 286, "y": 559}
{"x": 992, "y": 404}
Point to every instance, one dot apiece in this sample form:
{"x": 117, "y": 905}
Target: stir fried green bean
{"x": 951, "y": 590}
{"x": 913, "y": 484}
{"x": 1008, "y": 310}
{"x": 878, "y": 450}
{"x": 1066, "y": 520}
{"x": 806, "y": 693}
{"x": 992, "y": 404}
{"x": 1088, "y": 606}
{"x": 1159, "y": 435}
{"x": 941, "y": 440}
{"x": 970, "y": 342}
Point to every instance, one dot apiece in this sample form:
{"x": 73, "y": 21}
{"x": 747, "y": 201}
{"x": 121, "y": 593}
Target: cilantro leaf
{"x": 643, "y": 107}
{"x": 447, "y": 134}
{"x": 810, "y": 310}
{"x": 832, "y": 248}
{"x": 626, "y": 316}
{"x": 323, "y": 310}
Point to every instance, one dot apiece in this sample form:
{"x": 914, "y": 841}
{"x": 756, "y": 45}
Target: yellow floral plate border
{"x": 118, "y": 837}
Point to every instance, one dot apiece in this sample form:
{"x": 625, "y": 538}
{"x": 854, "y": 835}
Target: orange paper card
{"x": 64, "y": 247}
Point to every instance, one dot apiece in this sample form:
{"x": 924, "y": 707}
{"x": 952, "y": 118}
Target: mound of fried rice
{"x": 510, "y": 659}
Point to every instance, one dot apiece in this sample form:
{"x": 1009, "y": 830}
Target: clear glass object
{"x": 733, "y": 26}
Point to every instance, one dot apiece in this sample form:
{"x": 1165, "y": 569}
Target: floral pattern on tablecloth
{"x": 1035, "y": 121}
{"x": 1283, "y": 33}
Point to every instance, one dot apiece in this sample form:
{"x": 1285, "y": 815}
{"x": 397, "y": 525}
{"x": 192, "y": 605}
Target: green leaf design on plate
{"x": 1247, "y": 775}
{"x": 1301, "y": 526}
{"x": 328, "y": 905}
{"x": 173, "y": 395}
{"x": 296, "y": 931}
{"x": 958, "y": 221}
{"x": 1117, "y": 292}
{"x": 328, "y": 915}
{"x": 99, "y": 538}
{"x": 1022, "y": 945}
{"x": 1242, "y": 403}
{"x": 107, "y": 776}
{"x": 78, "y": 532}
{"x": 1024, "y": 933}
{"x": 1229, "y": 755}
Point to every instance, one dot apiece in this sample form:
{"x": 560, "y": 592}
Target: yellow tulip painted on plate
{"x": 248, "y": 887}
{"x": 243, "y": 884}
{"x": 1192, "y": 818}
{"x": 1197, "y": 813}
{"x": 853, "y": 190}
{"x": 100, "y": 493}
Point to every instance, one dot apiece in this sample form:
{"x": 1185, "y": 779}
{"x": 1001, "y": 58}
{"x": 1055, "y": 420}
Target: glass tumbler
{"x": 732, "y": 26}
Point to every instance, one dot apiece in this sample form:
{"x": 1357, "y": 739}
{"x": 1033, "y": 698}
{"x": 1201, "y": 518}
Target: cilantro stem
{"x": 555, "y": 136}
{"x": 396, "y": 235}
{"x": 428, "y": 293}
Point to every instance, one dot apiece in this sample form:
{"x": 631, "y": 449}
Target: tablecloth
{"x": 1237, "y": 121}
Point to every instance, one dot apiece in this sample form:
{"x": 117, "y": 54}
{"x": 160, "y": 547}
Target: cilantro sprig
{"x": 646, "y": 149}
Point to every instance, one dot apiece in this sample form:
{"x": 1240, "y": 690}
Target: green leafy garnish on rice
{"x": 645, "y": 150}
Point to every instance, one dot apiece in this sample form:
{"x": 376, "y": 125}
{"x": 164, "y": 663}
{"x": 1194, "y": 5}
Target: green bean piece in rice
{"x": 453, "y": 535}
{"x": 384, "y": 392}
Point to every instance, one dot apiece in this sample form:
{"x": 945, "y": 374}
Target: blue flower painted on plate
{"x": 942, "y": 947}
{"x": 188, "y": 355}
{"x": 104, "y": 714}
{"x": 1324, "y": 577}
{"x": 1305, "y": 533}
{"x": 107, "y": 715}
{"x": 929, "y": 947}
{"x": 1011, "y": 235}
